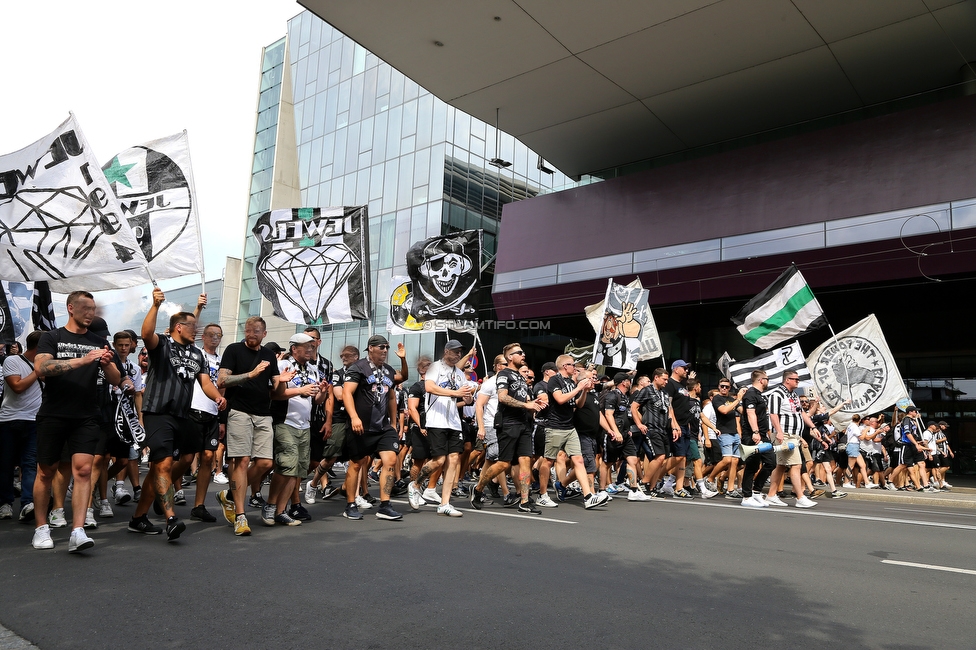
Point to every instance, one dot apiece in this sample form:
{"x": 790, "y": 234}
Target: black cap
{"x": 453, "y": 344}
{"x": 943, "y": 423}
{"x": 273, "y": 346}
{"x": 620, "y": 378}
{"x": 99, "y": 327}
{"x": 548, "y": 365}
{"x": 376, "y": 339}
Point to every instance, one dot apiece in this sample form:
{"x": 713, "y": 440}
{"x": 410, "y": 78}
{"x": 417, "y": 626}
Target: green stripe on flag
{"x": 787, "y": 313}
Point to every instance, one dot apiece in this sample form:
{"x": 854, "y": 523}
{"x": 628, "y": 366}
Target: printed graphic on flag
{"x": 782, "y": 311}
{"x": 775, "y": 363}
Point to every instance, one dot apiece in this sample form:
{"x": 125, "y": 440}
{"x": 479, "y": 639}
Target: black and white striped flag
{"x": 775, "y": 363}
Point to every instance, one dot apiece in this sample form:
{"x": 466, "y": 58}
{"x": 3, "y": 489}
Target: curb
{"x": 10, "y": 641}
{"x": 944, "y": 500}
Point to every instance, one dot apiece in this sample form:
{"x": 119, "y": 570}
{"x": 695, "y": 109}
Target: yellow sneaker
{"x": 240, "y": 526}
{"x": 227, "y": 506}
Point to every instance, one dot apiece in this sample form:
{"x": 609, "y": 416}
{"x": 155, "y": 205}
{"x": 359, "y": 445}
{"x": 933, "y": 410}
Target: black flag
{"x": 446, "y": 276}
{"x": 42, "y": 312}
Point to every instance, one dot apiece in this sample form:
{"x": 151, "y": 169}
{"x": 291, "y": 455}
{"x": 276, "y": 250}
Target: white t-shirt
{"x": 853, "y": 431}
{"x": 491, "y": 407}
{"x": 709, "y": 412}
{"x": 299, "y": 413}
{"x": 928, "y": 438}
{"x": 200, "y": 400}
{"x": 19, "y": 406}
{"x": 442, "y": 411}
{"x": 867, "y": 446}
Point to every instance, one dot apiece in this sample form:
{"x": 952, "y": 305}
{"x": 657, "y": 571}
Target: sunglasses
{"x": 724, "y": 386}
{"x": 383, "y": 347}
{"x": 517, "y": 352}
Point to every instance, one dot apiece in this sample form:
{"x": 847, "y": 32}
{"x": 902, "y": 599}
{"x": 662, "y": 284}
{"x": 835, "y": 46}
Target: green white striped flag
{"x": 782, "y": 311}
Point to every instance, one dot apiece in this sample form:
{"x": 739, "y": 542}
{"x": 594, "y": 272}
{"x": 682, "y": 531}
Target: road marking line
{"x": 931, "y": 512}
{"x": 501, "y": 514}
{"x": 934, "y": 567}
{"x": 836, "y": 515}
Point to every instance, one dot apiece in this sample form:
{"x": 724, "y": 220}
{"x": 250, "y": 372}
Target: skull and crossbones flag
{"x": 314, "y": 264}
{"x": 446, "y": 276}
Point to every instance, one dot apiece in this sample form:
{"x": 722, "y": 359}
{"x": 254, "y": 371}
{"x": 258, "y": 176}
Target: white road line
{"x": 931, "y": 512}
{"x": 502, "y": 514}
{"x": 933, "y": 567}
{"x": 835, "y": 515}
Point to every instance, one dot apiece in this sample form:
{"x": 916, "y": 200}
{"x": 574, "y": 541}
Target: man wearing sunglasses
{"x": 727, "y": 408}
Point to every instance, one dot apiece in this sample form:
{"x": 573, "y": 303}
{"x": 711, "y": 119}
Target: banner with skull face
{"x": 626, "y": 316}
{"x": 446, "y": 276}
{"x": 314, "y": 264}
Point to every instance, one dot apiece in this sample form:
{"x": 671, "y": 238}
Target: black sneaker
{"x": 200, "y": 513}
{"x": 477, "y": 498}
{"x": 387, "y": 512}
{"x": 511, "y": 500}
{"x": 144, "y": 526}
{"x": 370, "y": 499}
{"x": 495, "y": 492}
{"x": 352, "y": 512}
{"x": 328, "y": 491}
{"x": 257, "y": 501}
{"x": 285, "y": 519}
{"x": 174, "y": 528}
{"x": 298, "y": 511}
{"x": 399, "y": 488}
{"x": 136, "y": 493}
{"x": 529, "y": 507}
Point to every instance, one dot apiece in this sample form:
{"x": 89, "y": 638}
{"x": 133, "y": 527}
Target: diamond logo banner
{"x": 314, "y": 264}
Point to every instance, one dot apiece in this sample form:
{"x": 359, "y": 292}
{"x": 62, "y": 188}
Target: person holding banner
{"x": 69, "y": 361}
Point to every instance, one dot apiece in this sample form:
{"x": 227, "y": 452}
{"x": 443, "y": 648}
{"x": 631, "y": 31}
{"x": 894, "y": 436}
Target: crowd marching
{"x": 258, "y": 415}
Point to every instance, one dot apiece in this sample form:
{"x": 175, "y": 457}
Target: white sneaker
{"x": 774, "y": 500}
{"x": 90, "y": 518}
{"x": 105, "y": 510}
{"x": 707, "y": 492}
{"x": 637, "y": 495}
{"x": 56, "y": 518}
{"x": 121, "y": 495}
{"x": 220, "y": 479}
{"x": 760, "y": 499}
{"x": 449, "y": 511}
{"x": 362, "y": 503}
{"x": 946, "y": 485}
{"x": 430, "y": 495}
{"x": 751, "y": 502}
{"x": 42, "y": 538}
{"x": 804, "y": 502}
{"x": 79, "y": 541}
{"x": 872, "y": 486}
{"x": 414, "y": 497}
{"x": 546, "y": 502}
{"x": 848, "y": 485}
{"x": 6, "y": 511}
{"x": 310, "y": 492}
{"x": 594, "y": 500}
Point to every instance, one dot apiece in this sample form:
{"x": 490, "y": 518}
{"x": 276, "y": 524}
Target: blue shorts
{"x": 853, "y": 450}
{"x": 729, "y": 443}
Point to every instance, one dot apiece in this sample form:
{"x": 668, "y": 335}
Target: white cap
{"x": 300, "y": 339}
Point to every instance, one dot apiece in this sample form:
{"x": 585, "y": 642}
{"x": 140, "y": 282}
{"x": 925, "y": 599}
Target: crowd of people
{"x": 78, "y": 417}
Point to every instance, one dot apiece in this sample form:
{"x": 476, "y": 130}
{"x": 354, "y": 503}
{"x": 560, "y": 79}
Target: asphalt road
{"x": 666, "y": 573}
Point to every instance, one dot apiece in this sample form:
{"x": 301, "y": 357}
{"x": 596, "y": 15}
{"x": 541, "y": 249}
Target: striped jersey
{"x": 786, "y": 404}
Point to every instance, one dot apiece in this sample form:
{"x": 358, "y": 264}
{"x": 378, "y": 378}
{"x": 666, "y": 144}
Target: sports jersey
{"x": 296, "y": 411}
{"x": 173, "y": 369}
{"x": 514, "y": 384}
{"x": 442, "y": 410}
{"x": 339, "y": 413}
{"x": 418, "y": 390}
{"x": 200, "y": 400}
{"x": 786, "y": 404}
{"x": 325, "y": 370}
{"x": 372, "y": 396}
{"x": 619, "y": 403}
{"x": 561, "y": 415}
{"x": 654, "y": 408}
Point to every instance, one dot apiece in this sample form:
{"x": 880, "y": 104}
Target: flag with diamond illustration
{"x": 314, "y": 264}
{"x": 154, "y": 185}
{"x": 58, "y": 215}
{"x": 446, "y": 276}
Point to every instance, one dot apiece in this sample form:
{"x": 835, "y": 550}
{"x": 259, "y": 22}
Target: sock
{"x": 385, "y": 504}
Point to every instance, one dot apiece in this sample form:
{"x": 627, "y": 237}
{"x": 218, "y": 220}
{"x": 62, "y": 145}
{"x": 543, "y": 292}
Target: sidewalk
{"x": 957, "y": 497}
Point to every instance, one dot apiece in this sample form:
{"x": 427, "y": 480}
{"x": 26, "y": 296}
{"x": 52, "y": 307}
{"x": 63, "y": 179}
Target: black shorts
{"x": 906, "y": 455}
{"x": 419, "y": 444}
{"x": 168, "y": 436}
{"x": 57, "y": 436}
{"x": 539, "y": 441}
{"x": 588, "y": 445}
{"x": 713, "y": 454}
{"x": 207, "y": 430}
{"x": 444, "y": 441}
{"x": 370, "y": 443}
{"x": 643, "y": 448}
{"x": 659, "y": 442}
{"x": 316, "y": 443}
{"x": 515, "y": 441}
{"x": 681, "y": 446}
{"x": 470, "y": 432}
{"x": 619, "y": 450}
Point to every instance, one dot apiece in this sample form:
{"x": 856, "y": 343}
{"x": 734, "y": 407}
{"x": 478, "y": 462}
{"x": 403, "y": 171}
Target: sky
{"x": 137, "y": 71}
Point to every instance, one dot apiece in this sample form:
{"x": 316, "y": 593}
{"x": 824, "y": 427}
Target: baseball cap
{"x": 943, "y": 423}
{"x": 453, "y": 344}
{"x": 99, "y": 327}
{"x": 680, "y": 363}
{"x": 376, "y": 339}
{"x": 300, "y": 339}
{"x": 620, "y": 378}
{"x": 549, "y": 365}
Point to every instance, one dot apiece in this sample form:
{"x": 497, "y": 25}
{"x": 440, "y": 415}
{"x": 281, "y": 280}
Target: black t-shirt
{"x": 695, "y": 421}
{"x": 419, "y": 390}
{"x": 325, "y": 372}
{"x": 654, "y": 405}
{"x": 77, "y": 393}
{"x": 372, "y": 396}
{"x": 173, "y": 369}
{"x": 254, "y": 395}
{"x": 338, "y": 407}
{"x": 514, "y": 384}
{"x": 542, "y": 417}
{"x": 619, "y": 403}
{"x": 724, "y": 421}
{"x": 561, "y": 415}
{"x": 587, "y": 416}
{"x": 680, "y": 402}
{"x": 754, "y": 401}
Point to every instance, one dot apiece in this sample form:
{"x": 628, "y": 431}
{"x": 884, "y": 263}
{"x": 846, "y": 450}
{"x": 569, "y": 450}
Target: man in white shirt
{"x": 18, "y": 433}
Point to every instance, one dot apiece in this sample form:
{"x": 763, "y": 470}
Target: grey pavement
{"x": 687, "y": 574}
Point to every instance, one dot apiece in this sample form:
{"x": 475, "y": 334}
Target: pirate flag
{"x": 314, "y": 264}
{"x": 446, "y": 276}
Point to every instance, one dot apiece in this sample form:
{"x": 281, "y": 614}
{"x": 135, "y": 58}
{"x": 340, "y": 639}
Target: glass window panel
{"x": 386, "y": 241}
{"x": 308, "y": 113}
{"x": 313, "y": 67}
{"x": 455, "y": 218}
{"x": 318, "y": 124}
{"x": 298, "y": 71}
{"x": 409, "y": 119}
{"x": 268, "y": 98}
{"x": 425, "y": 109}
{"x": 375, "y": 207}
{"x": 265, "y": 139}
{"x": 405, "y": 182}
{"x": 325, "y": 194}
{"x": 344, "y": 89}
{"x": 271, "y": 78}
{"x": 365, "y": 159}
{"x": 333, "y": 79}
{"x": 356, "y": 99}
{"x": 335, "y": 59}
{"x": 345, "y": 70}
{"x": 303, "y": 159}
{"x": 382, "y": 103}
{"x": 359, "y": 59}
{"x": 478, "y": 147}
{"x": 374, "y": 240}
{"x": 383, "y": 72}
{"x": 408, "y": 144}
{"x": 420, "y": 195}
{"x": 369, "y": 92}
{"x": 315, "y": 161}
{"x": 462, "y": 125}
{"x": 410, "y": 89}
{"x": 379, "y": 136}
{"x": 323, "y": 64}
{"x": 331, "y": 109}
{"x": 263, "y": 159}
{"x": 352, "y": 147}
{"x": 439, "y": 122}
{"x": 393, "y": 132}
{"x": 362, "y": 186}
{"x": 339, "y": 156}
{"x": 488, "y": 241}
{"x": 266, "y": 118}
{"x": 477, "y": 128}
{"x": 349, "y": 189}
{"x": 306, "y": 136}
{"x": 274, "y": 55}
{"x": 396, "y": 88}
{"x": 383, "y": 278}
{"x": 336, "y": 198}
{"x": 391, "y": 173}
{"x": 376, "y": 182}
{"x": 315, "y": 38}
{"x": 306, "y": 30}
{"x": 421, "y": 167}
{"x": 328, "y": 148}
{"x": 302, "y": 51}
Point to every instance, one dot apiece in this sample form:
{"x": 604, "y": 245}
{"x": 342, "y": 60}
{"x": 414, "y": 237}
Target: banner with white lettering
{"x": 154, "y": 185}
{"x": 314, "y": 264}
{"x": 58, "y": 214}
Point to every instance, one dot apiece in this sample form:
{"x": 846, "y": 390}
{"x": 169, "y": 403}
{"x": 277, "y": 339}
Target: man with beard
{"x": 515, "y": 408}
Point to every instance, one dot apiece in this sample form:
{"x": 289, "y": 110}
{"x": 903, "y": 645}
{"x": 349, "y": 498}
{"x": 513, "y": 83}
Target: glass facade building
{"x": 367, "y": 135}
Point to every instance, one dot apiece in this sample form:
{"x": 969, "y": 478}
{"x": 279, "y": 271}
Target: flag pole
{"x": 599, "y": 334}
{"x": 196, "y": 215}
{"x": 833, "y": 336}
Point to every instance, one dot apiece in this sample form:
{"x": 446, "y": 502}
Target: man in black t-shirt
{"x": 370, "y": 401}
{"x": 565, "y": 397}
{"x": 726, "y": 408}
{"x": 333, "y": 432}
{"x": 754, "y": 423}
{"x": 514, "y": 424}
{"x": 620, "y": 441}
{"x": 417, "y": 432}
{"x": 175, "y": 365}
{"x": 651, "y": 410}
{"x": 68, "y": 361}
{"x": 681, "y": 428}
{"x": 247, "y": 371}
{"x": 540, "y": 390}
